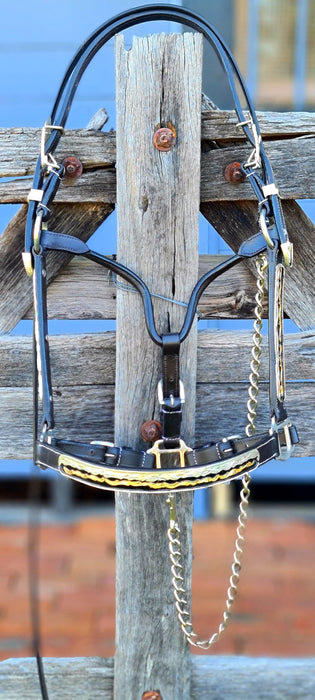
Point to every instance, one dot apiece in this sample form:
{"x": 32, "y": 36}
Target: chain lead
{"x": 173, "y": 533}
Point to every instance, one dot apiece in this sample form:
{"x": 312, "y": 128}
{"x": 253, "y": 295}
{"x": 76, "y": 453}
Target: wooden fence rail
{"x": 235, "y": 677}
{"x": 221, "y": 387}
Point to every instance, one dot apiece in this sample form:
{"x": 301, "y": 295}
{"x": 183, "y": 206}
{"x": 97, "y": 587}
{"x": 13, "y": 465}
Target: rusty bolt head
{"x": 152, "y": 695}
{"x": 234, "y": 173}
{"x": 151, "y": 430}
{"x": 73, "y": 167}
{"x": 164, "y": 138}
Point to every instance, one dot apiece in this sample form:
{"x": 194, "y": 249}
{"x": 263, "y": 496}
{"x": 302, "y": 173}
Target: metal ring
{"x": 37, "y": 230}
{"x": 264, "y": 229}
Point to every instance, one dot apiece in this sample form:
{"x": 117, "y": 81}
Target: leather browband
{"x": 169, "y": 464}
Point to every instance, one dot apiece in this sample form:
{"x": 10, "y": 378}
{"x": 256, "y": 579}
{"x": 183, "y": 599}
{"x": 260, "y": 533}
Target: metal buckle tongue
{"x": 157, "y": 451}
{"x": 282, "y": 429}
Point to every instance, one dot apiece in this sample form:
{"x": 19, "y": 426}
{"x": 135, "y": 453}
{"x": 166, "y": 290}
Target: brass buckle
{"x": 157, "y": 451}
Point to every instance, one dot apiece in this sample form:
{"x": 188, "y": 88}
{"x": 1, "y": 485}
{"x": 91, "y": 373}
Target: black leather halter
{"x": 102, "y": 464}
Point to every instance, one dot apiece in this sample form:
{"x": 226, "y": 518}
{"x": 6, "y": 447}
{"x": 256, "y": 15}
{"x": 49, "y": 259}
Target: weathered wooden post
{"x": 158, "y": 84}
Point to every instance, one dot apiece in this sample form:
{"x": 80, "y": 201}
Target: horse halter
{"x": 169, "y": 465}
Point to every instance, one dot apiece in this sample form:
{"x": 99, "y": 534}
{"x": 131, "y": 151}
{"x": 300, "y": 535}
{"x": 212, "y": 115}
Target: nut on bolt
{"x": 151, "y": 431}
{"x": 164, "y": 138}
{"x": 73, "y": 167}
{"x": 234, "y": 173}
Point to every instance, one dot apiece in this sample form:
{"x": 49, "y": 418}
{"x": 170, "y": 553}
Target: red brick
{"x": 273, "y": 614}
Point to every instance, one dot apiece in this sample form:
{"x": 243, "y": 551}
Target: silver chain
{"x": 173, "y": 533}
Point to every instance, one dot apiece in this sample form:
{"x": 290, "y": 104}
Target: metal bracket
{"x": 282, "y": 429}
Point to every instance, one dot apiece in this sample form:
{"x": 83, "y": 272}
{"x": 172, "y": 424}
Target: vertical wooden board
{"x": 158, "y": 82}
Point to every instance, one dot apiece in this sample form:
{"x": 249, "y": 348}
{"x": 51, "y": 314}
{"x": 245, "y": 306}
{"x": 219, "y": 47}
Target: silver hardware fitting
{"x": 161, "y": 397}
{"x": 35, "y": 195}
{"x": 270, "y": 189}
{"x": 37, "y": 231}
{"x": 46, "y": 434}
{"x": 47, "y": 159}
{"x": 254, "y": 160}
{"x": 286, "y": 246}
{"x": 282, "y": 430}
{"x": 104, "y": 443}
{"x": 227, "y": 439}
{"x": 287, "y": 252}
{"x": 264, "y": 229}
{"x": 231, "y": 437}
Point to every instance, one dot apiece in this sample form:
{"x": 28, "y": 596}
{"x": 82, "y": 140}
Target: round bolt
{"x": 73, "y": 167}
{"x": 152, "y": 695}
{"x": 234, "y": 173}
{"x": 164, "y": 138}
{"x": 151, "y": 430}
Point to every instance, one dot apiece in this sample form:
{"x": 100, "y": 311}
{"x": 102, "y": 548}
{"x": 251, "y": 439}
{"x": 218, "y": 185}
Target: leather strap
{"x": 42, "y": 358}
{"x": 275, "y": 336}
{"x": 94, "y": 43}
{"x": 109, "y": 467}
{"x": 171, "y": 402}
{"x": 211, "y": 462}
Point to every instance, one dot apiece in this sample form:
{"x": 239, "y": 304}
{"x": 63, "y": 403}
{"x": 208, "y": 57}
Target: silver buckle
{"x": 104, "y": 443}
{"x": 47, "y": 159}
{"x": 264, "y": 229}
{"x": 285, "y": 450}
{"x": 160, "y": 392}
{"x": 227, "y": 439}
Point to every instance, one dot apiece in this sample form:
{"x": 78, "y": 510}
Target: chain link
{"x": 261, "y": 265}
{"x": 173, "y": 533}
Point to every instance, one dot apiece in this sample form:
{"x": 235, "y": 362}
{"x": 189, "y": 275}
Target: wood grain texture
{"x": 286, "y": 138}
{"x": 81, "y": 221}
{"x": 291, "y": 160}
{"x": 232, "y": 295}
{"x": 220, "y": 125}
{"x": 19, "y": 146}
{"x": 222, "y": 378}
{"x": 220, "y": 410}
{"x": 159, "y": 81}
{"x": 16, "y": 295}
{"x": 96, "y": 352}
{"x": 97, "y": 187}
{"x": 213, "y": 677}
{"x": 236, "y": 221}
